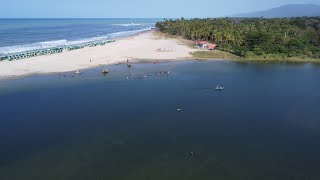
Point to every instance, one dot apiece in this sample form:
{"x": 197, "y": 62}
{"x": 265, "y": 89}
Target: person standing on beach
{"x": 129, "y": 65}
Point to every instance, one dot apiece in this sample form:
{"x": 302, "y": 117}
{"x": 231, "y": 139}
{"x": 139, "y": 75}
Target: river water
{"x": 163, "y": 121}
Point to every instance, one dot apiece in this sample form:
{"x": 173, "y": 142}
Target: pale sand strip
{"x": 140, "y": 47}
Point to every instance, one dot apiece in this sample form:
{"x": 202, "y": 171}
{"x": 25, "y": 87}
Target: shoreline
{"x": 133, "y": 61}
{"x": 118, "y": 52}
{"x": 223, "y": 55}
{"x": 144, "y": 61}
{"x": 140, "y": 47}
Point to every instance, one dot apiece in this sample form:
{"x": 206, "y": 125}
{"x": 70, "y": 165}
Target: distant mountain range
{"x": 290, "y": 10}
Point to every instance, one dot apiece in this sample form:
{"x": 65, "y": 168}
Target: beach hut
{"x": 206, "y": 45}
{"x": 202, "y": 44}
{"x": 212, "y": 46}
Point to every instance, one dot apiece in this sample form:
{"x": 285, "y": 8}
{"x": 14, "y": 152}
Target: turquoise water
{"x": 264, "y": 125}
{"x": 18, "y": 35}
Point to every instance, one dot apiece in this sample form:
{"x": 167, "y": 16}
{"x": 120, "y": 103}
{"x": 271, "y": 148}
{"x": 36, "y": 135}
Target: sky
{"x": 136, "y": 8}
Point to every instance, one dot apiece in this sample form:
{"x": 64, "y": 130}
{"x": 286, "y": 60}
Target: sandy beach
{"x": 148, "y": 46}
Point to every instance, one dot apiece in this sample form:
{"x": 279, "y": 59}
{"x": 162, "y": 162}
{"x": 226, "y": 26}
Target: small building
{"x": 206, "y": 45}
{"x": 202, "y": 44}
{"x": 212, "y": 46}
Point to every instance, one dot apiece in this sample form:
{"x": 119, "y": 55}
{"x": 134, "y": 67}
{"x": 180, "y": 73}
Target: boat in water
{"x": 219, "y": 88}
{"x": 105, "y": 71}
{"x": 77, "y": 72}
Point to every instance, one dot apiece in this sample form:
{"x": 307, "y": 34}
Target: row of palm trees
{"x": 248, "y": 34}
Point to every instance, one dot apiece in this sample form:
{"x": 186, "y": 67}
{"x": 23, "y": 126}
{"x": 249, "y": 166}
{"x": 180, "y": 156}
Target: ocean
{"x": 18, "y": 35}
{"x": 153, "y": 125}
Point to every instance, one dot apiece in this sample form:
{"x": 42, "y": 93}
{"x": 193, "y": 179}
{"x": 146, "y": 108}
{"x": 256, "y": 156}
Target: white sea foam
{"x": 129, "y": 24}
{"x": 64, "y": 42}
{"x": 127, "y": 33}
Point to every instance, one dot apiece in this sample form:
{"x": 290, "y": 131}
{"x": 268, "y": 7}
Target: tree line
{"x": 287, "y": 37}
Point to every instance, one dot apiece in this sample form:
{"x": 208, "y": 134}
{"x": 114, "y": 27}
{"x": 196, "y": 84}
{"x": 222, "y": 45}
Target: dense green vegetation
{"x": 253, "y": 37}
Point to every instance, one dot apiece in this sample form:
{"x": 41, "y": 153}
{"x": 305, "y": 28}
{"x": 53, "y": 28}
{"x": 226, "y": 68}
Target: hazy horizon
{"x": 137, "y": 8}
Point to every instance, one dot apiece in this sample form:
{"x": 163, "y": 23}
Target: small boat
{"x": 219, "y": 88}
{"x": 105, "y": 71}
{"x": 77, "y": 72}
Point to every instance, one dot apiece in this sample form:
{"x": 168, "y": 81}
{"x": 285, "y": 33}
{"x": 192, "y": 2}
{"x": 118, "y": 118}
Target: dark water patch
{"x": 264, "y": 125}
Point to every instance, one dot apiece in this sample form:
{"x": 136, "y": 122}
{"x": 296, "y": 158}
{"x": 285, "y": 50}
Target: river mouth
{"x": 163, "y": 121}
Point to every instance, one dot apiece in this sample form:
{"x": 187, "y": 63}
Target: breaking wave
{"x": 64, "y": 42}
{"x": 129, "y": 24}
